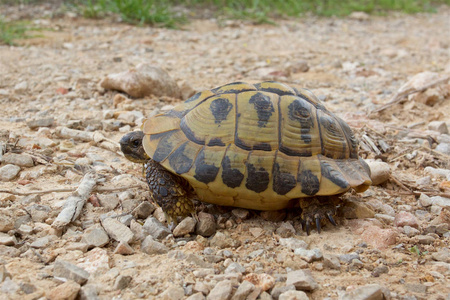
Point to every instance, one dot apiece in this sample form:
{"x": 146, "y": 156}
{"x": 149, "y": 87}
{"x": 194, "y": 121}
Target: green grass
{"x": 10, "y": 31}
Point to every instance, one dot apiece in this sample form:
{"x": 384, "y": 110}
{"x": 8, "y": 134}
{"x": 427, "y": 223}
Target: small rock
{"x": 144, "y": 80}
{"x": 6, "y": 220}
{"x": 186, "y": 226}
{"x": 66, "y": 291}
{"x": 234, "y": 267}
{"x": 41, "y": 242}
{"x": 201, "y": 287}
{"x": 298, "y": 66}
{"x": 122, "y": 282}
{"x": 302, "y": 280}
{"x": 108, "y": 201}
{"x": 359, "y": 15}
{"x": 348, "y": 258}
{"x": 442, "y": 255}
{"x": 88, "y": 292}
{"x": 273, "y": 215}
{"x": 95, "y": 236}
{"x": 366, "y": 292}
{"x": 379, "y": 238}
{"x": 380, "y": 270}
{"x": 173, "y": 292}
{"x": 425, "y": 200}
{"x": 7, "y": 240}
{"x": 47, "y": 122}
{"x": 425, "y": 239}
{"x": 124, "y": 249}
{"x": 410, "y": 231}
{"x": 240, "y": 213}
{"x": 285, "y": 230}
{"x": 439, "y": 126}
{"x": 9, "y": 172}
{"x": 309, "y": 255}
{"x": 293, "y": 295}
{"x": 21, "y": 87}
{"x": 69, "y": 271}
{"x": 9, "y": 287}
{"x": 440, "y": 201}
{"x": 144, "y": 210}
{"x": 331, "y": 261}
{"x": 438, "y": 172}
{"x": 244, "y": 289}
{"x": 293, "y": 243}
{"x": 379, "y": 171}
{"x": 222, "y": 241}
{"x": 83, "y": 247}
{"x": 443, "y": 148}
{"x": 278, "y": 290}
{"x": 206, "y": 225}
{"x": 416, "y": 288}
{"x": 263, "y": 281}
{"x": 404, "y": 218}
{"x": 4, "y": 273}
{"x": 21, "y": 160}
{"x": 155, "y": 228}
{"x": 117, "y": 230}
{"x": 150, "y": 246}
{"x": 39, "y": 213}
{"x": 196, "y": 296}
{"x": 221, "y": 291}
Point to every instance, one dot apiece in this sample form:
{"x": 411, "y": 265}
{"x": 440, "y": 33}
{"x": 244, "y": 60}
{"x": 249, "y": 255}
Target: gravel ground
{"x": 391, "y": 241}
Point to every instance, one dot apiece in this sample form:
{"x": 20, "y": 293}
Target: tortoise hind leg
{"x": 316, "y": 209}
{"x": 171, "y": 192}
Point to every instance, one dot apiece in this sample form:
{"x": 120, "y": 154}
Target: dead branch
{"x": 70, "y": 189}
{"x": 399, "y": 96}
{"x": 75, "y": 202}
{"x": 87, "y": 136}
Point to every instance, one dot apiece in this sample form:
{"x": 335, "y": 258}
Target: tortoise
{"x": 264, "y": 146}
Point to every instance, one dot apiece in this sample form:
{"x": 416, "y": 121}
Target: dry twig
{"x": 70, "y": 189}
{"x": 87, "y": 136}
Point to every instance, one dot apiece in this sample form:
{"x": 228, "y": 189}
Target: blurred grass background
{"x": 173, "y": 13}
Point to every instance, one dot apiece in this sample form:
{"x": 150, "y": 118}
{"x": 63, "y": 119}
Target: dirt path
{"x": 353, "y": 64}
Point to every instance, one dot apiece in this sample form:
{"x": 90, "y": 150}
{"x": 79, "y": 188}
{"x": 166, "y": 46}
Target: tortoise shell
{"x": 256, "y": 146}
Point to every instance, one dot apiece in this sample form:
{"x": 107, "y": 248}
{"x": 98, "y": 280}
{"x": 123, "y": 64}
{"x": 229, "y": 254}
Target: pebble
{"x": 293, "y": 295}
{"x": 366, "y": 292}
{"x": 144, "y": 80}
{"x": 21, "y": 87}
{"x": 379, "y": 238}
{"x": 385, "y": 218}
{"x": 66, "y": 291}
{"x": 95, "y": 236}
{"x": 404, "y": 218}
{"x": 273, "y": 215}
{"x": 380, "y": 270}
{"x": 69, "y": 271}
{"x": 155, "y": 228}
{"x": 240, "y": 213}
{"x": 234, "y": 267}
{"x": 278, "y": 290}
{"x": 9, "y": 286}
{"x": 124, "y": 249}
{"x": 416, "y": 288}
{"x": 348, "y": 258}
{"x": 88, "y": 292}
{"x": 21, "y": 160}
{"x": 7, "y": 240}
{"x": 196, "y": 296}
{"x": 108, "y": 201}
{"x": 439, "y": 126}
{"x": 9, "y": 172}
{"x": 440, "y": 201}
{"x": 442, "y": 255}
{"x": 117, "y": 230}
{"x": 293, "y": 243}
{"x": 263, "y": 281}
{"x": 380, "y": 171}
{"x": 410, "y": 231}
{"x": 39, "y": 213}
{"x": 41, "y": 242}
{"x": 331, "y": 261}
{"x": 221, "y": 291}
{"x": 443, "y": 148}
{"x": 425, "y": 200}
{"x": 121, "y": 282}
{"x": 438, "y": 172}
{"x": 309, "y": 255}
{"x": 285, "y": 230}
{"x": 144, "y": 210}
{"x": 36, "y": 123}
{"x": 302, "y": 280}
{"x": 6, "y": 220}
{"x": 425, "y": 239}
{"x": 244, "y": 289}
{"x": 83, "y": 247}
{"x": 173, "y": 292}
{"x": 150, "y": 246}
{"x": 3, "y": 273}
{"x": 221, "y": 241}
{"x": 186, "y": 226}
{"x": 206, "y": 225}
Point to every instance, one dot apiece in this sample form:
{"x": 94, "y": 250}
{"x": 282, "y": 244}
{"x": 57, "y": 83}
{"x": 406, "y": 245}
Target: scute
{"x": 257, "y": 146}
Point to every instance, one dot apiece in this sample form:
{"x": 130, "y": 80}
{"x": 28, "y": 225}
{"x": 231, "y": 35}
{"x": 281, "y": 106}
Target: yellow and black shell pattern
{"x": 257, "y": 146}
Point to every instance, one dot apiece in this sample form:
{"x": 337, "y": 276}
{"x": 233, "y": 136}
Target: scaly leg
{"x": 315, "y": 209}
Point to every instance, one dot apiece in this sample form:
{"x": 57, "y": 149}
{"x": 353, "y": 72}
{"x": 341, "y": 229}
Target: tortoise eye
{"x": 136, "y": 143}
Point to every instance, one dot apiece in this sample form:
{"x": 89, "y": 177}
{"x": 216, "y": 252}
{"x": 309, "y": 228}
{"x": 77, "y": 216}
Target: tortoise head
{"x": 132, "y": 148}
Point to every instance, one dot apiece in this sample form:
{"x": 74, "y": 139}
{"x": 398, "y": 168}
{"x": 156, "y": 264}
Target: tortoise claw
{"x": 318, "y": 223}
{"x": 308, "y": 228}
{"x": 330, "y": 218}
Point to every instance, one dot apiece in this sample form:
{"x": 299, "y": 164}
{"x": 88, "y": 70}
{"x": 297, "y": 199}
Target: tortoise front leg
{"x": 169, "y": 191}
{"x": 315, "y": 209}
